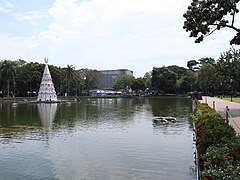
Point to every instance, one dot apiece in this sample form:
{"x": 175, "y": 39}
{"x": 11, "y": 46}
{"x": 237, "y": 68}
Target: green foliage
{"x": 68, "y": 76}
{"x": 138, "y": 84}
{"x": 208, "y": 78}
{"x": 192, "y": 65}
{"x": 185, "y": 79}
{"x": 173, "y": 79}
{"x": 184, "y": 84}
{"x": 28, "y": 78}
{"x": 221, "y": 76}
{"x": 217, "y": 144}
{"x": 8, "y": 74}
{"x": 203, "y": 17}
{"x": 207, "y": 60}
{"x": 21, "y": 77}
{"x": 123, "y": 82}
{"x": 147, "y": 79}
{"x": 164, "y": 80}
{"x": 56, "y": 73}
{"x": 92, "y": 78}
{"x": 223, "y": 161}
{"x": 228, "y": 67}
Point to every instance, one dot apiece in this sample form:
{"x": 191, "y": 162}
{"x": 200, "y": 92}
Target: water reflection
{"x": 170, "y": 106}
{"x": 47, "y": 113}
{"x": 96, "y": 139}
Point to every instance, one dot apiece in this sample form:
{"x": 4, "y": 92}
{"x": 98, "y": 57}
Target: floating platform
{"x": 46, "y": 102}
{"x": 165, "y": 119}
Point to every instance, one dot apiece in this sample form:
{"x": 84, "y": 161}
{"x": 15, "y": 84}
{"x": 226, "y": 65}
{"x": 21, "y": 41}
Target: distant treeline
{"x": 20, "y": 78}
{"x": 212, "y": 77}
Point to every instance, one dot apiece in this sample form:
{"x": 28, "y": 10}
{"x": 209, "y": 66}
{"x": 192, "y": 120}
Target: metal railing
{"x": 229, "y": 117}
{"x": 196, "y": 162}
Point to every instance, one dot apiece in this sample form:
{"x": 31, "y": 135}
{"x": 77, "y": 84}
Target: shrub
{"x": 211, "y": 129}
{"x": 222, "y": 162}
{"x": 218, "y": 147}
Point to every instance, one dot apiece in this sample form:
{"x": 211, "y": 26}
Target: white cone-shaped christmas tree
{"x": 47, "y": 91}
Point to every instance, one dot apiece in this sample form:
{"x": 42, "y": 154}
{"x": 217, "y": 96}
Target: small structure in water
{"x": 164, "y": 120}
{"x": 47, "y": 91}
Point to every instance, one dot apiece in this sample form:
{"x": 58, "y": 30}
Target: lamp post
{"x": 14, "y": 84}
{"x": 231, "y": 88}
{"x": 221, "y": 90}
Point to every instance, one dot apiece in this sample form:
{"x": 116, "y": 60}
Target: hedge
{"x": 217, "y": 144}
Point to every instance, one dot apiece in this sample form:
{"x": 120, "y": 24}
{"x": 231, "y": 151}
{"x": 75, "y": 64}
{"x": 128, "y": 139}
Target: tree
{"x": 185, "y": 78}
{"x": 8, "y": 73}
{"x": 228, "y": 67}
{"x": 208, "y": 78}
{"x": 78, "y": 82}
{"x": 192, "y": 64}
{"x": 68, "y": 76}
{"x": 147, "y": 79}
{"x": 29, "y": 77}
{"x": 184, "y": 84}
{"x": 123, "y": 82}
{"x": 82, "y": 81}
{"x": 92, "y": 79}
{"x": 204, "y": 17}
{"x": 138, "y": 84}
{"x": 207, "y": 60}
{"x": 164, "y": 80}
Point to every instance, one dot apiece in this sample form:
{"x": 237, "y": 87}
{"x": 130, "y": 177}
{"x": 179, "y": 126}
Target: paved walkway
{"x": 220, "y": 106}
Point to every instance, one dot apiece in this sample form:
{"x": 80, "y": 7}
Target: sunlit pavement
{"x": 220, "y": 106}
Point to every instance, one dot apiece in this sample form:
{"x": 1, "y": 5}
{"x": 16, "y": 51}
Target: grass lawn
{"x": 234, "y": 99}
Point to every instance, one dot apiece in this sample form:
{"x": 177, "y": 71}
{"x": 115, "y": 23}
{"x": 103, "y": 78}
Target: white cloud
{"x": 16, "y": 47}
{"x": 136, "y": 34}
{"x": 32, "y": 16}
{"x": 122, "y": 28}
{"x": 107, "y": 34}
{"x": 6, "y": 6}
{"x": 97, "y": 17}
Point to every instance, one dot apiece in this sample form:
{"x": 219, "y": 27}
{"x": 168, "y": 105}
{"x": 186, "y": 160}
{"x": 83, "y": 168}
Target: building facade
{"x": 109, "y": 77}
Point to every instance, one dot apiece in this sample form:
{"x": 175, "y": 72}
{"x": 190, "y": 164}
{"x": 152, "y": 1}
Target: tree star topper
{"x": 46, "y": 60}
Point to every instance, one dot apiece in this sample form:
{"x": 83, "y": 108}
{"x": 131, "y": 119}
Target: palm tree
{"x": 68, "y": 75}
{"x": 8, "y": 73}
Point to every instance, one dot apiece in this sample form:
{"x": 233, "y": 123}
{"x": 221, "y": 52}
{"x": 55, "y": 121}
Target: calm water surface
{"x": 100, "y": 139}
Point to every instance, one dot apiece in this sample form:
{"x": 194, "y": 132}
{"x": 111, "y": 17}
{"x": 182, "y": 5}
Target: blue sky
{"x": 103, "y": 34}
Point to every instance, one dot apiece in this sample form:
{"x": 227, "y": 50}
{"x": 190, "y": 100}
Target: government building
{"x": 109, "y": 77}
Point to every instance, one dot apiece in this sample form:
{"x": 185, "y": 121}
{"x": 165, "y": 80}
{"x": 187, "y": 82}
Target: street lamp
{"x": 14, "y": 84}
{"x": 222, "y": 90}
{"x": 231, "y": 88}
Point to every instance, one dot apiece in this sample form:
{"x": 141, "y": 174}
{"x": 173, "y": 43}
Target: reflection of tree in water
{"x": 19, "y": 123}
{"x": 19, "y": 115}
{"x": 47, "y": 112}
{"x": 94, "y": 112}
{"x": 170, "y": 106}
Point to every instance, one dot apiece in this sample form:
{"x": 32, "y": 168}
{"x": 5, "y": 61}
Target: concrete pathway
{"x": 220, "y": 107}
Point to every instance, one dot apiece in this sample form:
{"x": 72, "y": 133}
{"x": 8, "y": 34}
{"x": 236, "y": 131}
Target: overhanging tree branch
{"x": 203, "y": 14}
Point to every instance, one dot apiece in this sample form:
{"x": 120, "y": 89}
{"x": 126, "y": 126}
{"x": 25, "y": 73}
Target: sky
{"x": 103, "y": 34}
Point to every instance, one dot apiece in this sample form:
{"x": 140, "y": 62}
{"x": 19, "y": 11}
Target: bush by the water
{"x": 217, "y": 144}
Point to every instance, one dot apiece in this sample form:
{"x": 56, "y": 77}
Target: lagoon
{"x": 97, "y": 138}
